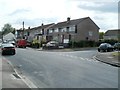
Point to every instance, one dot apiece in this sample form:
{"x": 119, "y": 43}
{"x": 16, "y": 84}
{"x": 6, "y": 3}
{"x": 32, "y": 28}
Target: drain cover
{"x": 16, "y": 76}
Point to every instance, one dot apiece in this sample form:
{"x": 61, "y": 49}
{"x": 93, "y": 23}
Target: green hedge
{"x": 83, "y": 44}
{"x": 90, "y": 43}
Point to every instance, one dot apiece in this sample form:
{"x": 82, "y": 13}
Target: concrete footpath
{"x": 108, "y": 58}
{"x": 9, "y": 77}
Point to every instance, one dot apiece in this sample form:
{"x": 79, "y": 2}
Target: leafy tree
{"x": 7, "y": 29}
{"x": 101, "y": 34}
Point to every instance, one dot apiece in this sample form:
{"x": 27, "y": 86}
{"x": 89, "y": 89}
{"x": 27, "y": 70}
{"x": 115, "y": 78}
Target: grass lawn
{"x": 116, "y": 54}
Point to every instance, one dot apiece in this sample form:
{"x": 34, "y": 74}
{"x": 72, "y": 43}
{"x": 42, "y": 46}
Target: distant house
{"x": 9, "y": 36}
{"x": 112, "y": 34}
{"x": 74, "y": 30}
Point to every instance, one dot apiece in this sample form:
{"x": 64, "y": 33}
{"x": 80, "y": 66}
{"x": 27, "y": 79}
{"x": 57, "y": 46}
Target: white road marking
{"x": 109, "y": 57}
{"x": 88, "y": 59}
{"x": 81, "y": 58}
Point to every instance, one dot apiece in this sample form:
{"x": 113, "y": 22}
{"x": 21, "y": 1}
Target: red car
{"x": 22, "y": 43}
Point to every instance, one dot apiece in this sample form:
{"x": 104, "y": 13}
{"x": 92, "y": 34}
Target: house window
{"x": 53, "y": 30}
{"x": 67, "y": 29}
{"x": 37, "y": 37}
{"x": 50, "y": 30}
{"x": 90, "y": 33}
{"x": 28, "y": 33}
{"x": 72, "y": 29}
{"x": 63, "y": 30}
{"x": 59, "y": 29}
{"x": 75, "y": 28}
{"x": 56, "y": 30}
{"x": 47, "y": 31}
{"x": 42, "y": 31}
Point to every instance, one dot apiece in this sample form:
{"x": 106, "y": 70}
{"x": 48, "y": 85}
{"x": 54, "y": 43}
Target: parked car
{"x": 52, "y": 44}
{"x": 105, "y": 47}
{"x": 7, "y": 48}
{"x": 61, "y": 45}
{"x": 21, "y": 43}
{"x": 117, "y": 46}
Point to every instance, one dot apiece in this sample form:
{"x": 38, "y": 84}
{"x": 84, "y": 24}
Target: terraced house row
{"x": 63, "y": 32}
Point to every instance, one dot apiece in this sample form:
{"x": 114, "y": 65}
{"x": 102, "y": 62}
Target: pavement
{"x": 9, "y": 77}
{"x": 108, "y": 58}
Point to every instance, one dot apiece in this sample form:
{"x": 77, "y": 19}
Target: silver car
{"x": 7, "y": 48}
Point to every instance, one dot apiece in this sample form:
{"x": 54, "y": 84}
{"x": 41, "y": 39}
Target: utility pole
{"x": 23, "y": 30}
{"x": 2, "y": 35}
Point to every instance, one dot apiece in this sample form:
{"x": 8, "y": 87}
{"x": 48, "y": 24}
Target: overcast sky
{"x": 34, "y": 12}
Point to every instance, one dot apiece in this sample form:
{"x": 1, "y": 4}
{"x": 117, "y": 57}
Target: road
{"x": 76, "y": 69}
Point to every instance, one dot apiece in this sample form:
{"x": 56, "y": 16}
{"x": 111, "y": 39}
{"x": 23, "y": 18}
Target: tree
{"x": 7, "y": 29}
{"x": 101, "y": 34}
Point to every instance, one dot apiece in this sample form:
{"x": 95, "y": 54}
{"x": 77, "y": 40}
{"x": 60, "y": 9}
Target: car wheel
{"x": 98, "y": 50}
{"x": 2, "y": 53}
{"x": 108, "y": 50}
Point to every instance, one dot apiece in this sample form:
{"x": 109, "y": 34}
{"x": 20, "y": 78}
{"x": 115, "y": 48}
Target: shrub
{"x": 83, "y": 44}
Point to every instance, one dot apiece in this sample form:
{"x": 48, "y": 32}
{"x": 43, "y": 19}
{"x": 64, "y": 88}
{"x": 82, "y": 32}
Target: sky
{"x": 35, "y": 12}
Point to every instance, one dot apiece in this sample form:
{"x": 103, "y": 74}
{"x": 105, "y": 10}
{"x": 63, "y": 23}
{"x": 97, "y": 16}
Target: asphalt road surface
{"x": 76, "y": 69}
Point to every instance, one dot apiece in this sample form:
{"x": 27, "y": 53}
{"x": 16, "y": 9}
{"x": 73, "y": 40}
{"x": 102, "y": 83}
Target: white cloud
{"x": 35, "y": 12}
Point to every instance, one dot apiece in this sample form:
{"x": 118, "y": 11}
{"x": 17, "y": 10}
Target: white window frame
{"x": 72, "y": 29}
{"x": 56, "y": 30}
{"x": 50, "y": 31}
{"x": 90, "y": 33}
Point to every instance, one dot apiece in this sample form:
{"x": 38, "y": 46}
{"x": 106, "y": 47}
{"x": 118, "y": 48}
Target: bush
{"x": 83, "y": 44}
{"x": 35, "y": 43}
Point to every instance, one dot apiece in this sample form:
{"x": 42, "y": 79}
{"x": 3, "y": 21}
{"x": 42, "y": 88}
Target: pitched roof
{"x": 42, "y": 26}
{"x": 71, "y": 22}
{"x": 112, "y": 32}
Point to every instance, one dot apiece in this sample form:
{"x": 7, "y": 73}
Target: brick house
{"x": 112, "y": 34}
{"x": 74, "y": 30}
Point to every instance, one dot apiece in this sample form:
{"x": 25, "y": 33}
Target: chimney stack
{"x": 29, "y": 28}
{"x": 42, "y": 24}
{"x": 68, "y": 19}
